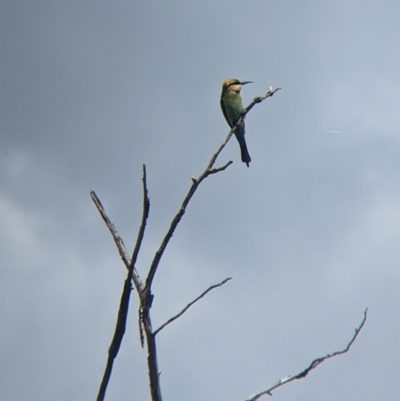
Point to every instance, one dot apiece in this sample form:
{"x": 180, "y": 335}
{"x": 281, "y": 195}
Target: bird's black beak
{"x": 246, "y": 82}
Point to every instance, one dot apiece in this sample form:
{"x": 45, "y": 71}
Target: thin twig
{"x": 195, "y": 183}
{"x": 222, "y": 168}
{"x": 259, "y": 99}
{"x": 190, "y": 304}
{"x": 145, "y": 215}
{"x": 312, "y": 365}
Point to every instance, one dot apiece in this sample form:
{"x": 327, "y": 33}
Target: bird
{"x": 232, "y": 107}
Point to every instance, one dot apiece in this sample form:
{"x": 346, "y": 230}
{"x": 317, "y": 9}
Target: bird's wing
{"x": 224, "y": 112}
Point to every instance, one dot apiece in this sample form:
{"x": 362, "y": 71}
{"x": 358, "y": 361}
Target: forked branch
{"x": 120, "y": 326}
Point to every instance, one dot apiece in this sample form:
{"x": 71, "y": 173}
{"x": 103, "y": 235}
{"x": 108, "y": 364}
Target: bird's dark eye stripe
{"x": 234, "y": 83}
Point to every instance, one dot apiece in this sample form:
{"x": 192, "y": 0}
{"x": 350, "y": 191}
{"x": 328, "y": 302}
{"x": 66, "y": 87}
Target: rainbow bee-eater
{"x": 232, "y": 107}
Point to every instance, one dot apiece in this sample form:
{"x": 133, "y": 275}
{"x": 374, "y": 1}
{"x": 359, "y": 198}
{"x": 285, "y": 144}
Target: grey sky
{"x": 310, "y": 233}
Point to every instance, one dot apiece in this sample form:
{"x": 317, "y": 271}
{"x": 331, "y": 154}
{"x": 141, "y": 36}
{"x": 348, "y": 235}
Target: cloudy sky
{"x": 310, "y": 233}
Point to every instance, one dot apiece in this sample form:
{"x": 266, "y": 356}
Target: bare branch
{"x": 190, "y": 304}
{"x": 222, "y": 168}
{"x": 195, "y": 183}
{"x": 146, "y": 210}
{"x": 258, "y": 100}
{"x": 141, "y": 335}
{"x": 117, "y": 338}
{"x": 152, "y": 363}
{"x": 312, "y": 365}
{"x": 117, "y": 239}
{"x": 145, "y": 215}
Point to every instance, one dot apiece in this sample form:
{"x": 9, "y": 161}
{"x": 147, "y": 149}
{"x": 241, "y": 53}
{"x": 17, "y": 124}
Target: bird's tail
{"x": 239, "y": 133}
{"x": 245, "y": 154}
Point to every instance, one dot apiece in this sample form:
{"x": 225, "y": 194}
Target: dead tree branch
{"x": 117, "y": 338}
{"x": 312, "y": 365}
{"x": 145, "y": 215}
{"x": 191, "y": 304}
{"x": 117, "y": 239}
